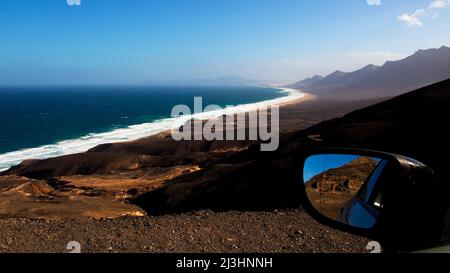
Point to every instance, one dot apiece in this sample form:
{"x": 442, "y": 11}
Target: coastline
{"x": 304, "y": 98}
{"x": 139, "y": 131}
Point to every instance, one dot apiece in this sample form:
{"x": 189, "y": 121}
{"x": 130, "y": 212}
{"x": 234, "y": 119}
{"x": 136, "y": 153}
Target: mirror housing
{"x": 386, "y": 197}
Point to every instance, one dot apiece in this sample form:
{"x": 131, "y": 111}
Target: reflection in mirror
{"x": 343, "y": 187}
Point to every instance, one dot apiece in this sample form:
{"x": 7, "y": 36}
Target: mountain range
{"x": 423, "y": 68}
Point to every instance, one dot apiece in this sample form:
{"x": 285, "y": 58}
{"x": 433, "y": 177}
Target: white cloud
{"x": 374, "y": 2}
{"x": 73, "y": 2}
{"x": 438, "y": 4}
{"x": 413, "y": 19}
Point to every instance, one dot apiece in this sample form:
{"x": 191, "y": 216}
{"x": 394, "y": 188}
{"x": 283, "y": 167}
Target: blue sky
{"x": 140, "y": 41}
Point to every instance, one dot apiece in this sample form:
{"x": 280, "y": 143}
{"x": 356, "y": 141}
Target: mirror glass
{"x": 344, "y": 187}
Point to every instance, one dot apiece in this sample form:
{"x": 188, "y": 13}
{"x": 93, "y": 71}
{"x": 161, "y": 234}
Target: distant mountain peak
{"x": 307, "y": 82}
{"x": 337, "y": 73}
{"x": 370, "y": 66}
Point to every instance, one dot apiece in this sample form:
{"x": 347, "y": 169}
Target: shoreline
{"x": 139, "y": 131}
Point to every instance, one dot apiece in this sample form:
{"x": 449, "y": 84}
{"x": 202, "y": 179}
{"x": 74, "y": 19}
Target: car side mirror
{"x": 387, "y": 197}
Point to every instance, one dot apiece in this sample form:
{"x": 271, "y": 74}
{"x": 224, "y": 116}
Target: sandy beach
{"x": 138, "y": 131}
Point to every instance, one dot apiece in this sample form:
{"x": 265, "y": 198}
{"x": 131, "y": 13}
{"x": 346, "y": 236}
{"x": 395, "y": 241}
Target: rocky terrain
{"x": 283, "y": 231}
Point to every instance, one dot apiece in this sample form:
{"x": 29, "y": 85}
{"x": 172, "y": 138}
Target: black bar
{"x": 224, "y": 262}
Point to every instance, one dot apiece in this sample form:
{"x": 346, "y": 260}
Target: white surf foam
{"x": 130, "y": 133}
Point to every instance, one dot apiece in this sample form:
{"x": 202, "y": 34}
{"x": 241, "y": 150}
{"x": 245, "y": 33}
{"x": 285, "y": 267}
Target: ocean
{"x": 44, "y": 122}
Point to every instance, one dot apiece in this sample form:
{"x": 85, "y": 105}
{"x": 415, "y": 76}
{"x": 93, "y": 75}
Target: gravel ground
{"x": 290, "y": 231}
